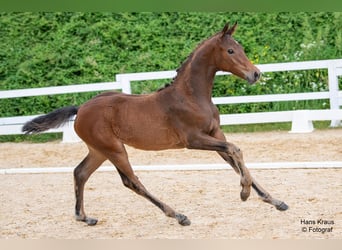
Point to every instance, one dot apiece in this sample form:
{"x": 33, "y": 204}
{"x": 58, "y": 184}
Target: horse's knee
{"x": 235, "y": 151}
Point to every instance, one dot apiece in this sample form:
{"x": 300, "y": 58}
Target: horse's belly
{"x": 150, "y": 138}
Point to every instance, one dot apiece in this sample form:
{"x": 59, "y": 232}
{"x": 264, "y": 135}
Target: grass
{"x": 37, "y": 138}
{"x": 247, "y": 128}
{"x": 265, "y": 127}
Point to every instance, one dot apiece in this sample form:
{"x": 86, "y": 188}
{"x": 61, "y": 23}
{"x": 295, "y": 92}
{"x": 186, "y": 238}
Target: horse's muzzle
{"x": 253, "y": 77}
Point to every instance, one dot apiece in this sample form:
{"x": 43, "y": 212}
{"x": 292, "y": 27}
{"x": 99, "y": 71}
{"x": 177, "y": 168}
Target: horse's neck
{"x": 197, "y": 78}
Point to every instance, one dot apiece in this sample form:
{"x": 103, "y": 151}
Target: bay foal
{"x": 180, "y": 115}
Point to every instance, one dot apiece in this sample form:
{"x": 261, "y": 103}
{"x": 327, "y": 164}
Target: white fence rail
{"x": 301, "y": 119}
{"x": 183, "y": 167}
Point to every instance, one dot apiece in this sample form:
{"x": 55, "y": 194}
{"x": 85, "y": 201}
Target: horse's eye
{"x": 230, "y": 51}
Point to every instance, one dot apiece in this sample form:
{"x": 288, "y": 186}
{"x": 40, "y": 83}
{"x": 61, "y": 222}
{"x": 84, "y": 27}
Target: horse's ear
{"x": 224, "y": 30}
{"x": 231, "y": 30}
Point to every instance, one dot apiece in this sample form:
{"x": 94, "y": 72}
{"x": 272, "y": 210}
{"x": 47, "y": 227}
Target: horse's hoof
{"x": 282, "y": 206}
{"x": 90, "y": 221}
{"x": 183, "y": 220}
{"x": 244, "y": 194}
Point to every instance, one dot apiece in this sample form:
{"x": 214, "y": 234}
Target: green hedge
{"x": 52, "y": 49}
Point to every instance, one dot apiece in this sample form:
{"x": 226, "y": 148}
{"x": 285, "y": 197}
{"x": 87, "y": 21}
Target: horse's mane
{"x": 182, "y": 67}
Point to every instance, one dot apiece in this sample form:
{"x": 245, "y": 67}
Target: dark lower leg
{"x": 266, "y": 197}
{"x": 81, "y": 175}
{"x": 79, "y": 207}
{"x": 134, "y": 184}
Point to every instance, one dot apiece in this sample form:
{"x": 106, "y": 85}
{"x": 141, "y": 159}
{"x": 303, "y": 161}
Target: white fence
{"x": 301, "y": 119}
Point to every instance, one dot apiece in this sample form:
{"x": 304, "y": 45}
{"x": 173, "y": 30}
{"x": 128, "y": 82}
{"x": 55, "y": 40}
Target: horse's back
{"x": 136, "y": 120}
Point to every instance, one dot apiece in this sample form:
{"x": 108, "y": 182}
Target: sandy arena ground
{"x": 42, "y": 205}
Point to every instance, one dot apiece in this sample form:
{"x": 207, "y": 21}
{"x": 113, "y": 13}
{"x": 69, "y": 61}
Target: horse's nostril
{"x": 256, "y": 75}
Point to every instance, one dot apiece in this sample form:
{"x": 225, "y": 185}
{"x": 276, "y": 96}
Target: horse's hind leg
{"x": 81, "y": 174}
{"x": 120, "y": 160}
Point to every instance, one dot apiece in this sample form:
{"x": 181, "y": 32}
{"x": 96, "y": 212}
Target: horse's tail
{"x": 53, "y": 119}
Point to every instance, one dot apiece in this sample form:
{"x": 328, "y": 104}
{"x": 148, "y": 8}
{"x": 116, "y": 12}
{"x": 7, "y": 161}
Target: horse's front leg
{"x": 234, "y": 158}
{"x": 228, "y": 151}
{"x": 266, "y": 197}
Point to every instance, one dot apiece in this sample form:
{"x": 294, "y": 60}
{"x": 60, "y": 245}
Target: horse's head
{"x": 232, "y": 57}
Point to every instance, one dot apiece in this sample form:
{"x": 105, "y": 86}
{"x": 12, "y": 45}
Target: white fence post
{"x": 301, "y": 122}
{"x": 333, "y": 90}
{"x": 69, "y": 134}
{"x": 126, "y": 86}
{"x": 125, "y": 83}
